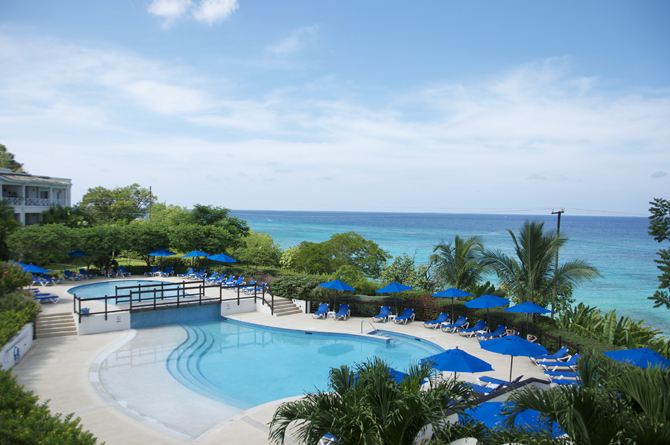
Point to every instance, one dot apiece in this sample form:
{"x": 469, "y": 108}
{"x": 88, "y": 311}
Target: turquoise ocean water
{"x": 619, "y": 246}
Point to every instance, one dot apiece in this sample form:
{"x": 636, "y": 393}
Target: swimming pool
{"x": 108, "y": 288}
{"x": 189, "y": 377}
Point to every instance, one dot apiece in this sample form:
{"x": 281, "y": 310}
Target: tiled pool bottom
{"x": 187, "y": 379}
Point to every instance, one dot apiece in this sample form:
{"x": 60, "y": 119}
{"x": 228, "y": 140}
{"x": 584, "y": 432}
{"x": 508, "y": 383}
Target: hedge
{"x": 24, "y": 421}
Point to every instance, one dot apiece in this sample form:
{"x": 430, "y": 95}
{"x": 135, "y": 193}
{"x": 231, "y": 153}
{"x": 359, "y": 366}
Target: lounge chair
{"x": 571, "y": 364}
{"x": 443, "y": 318}
{"x": 485, "y": 390}
{"x": 199, "y": 276}
{"x": 46, "y": 297}
{"x": 343, "y": 313}
{"x": 122, "y": 271}
{"x": 51, "y": 280}
{"x": 70, "y": 276}
{"x": 153, "y": 271}
{"x": 495, "y": 383}
{"x": 562, "y": 374}
{"x": 322, "y": 312}
{"x": 250, "y": 287}
{"x": 383, "y": 314}
{"x": 239, "y": 282}
{"x": 166, "y": 273}
{"x": 328, "y": 439}
{"x": 499, "y": 332}
{"x": 191, "y": 271}
{"x": 565, "y": 382}
{"x": 561, "y": 355}
{"x": 478, "y": 328}
{"x": 84, "y": 273}
{"x": 407, "y": 314}
{"x": 38, "y": 280}
{"x": 222, "y": 279}
{"x": 462, "y": 322}
{"x": 213, "y": 277}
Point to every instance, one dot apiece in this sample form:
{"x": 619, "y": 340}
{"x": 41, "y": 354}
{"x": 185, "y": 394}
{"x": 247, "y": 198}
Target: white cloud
{"x": 292, "y": 43}
{"x": 208, "y": 11}
{"x": 658, "y": 174}
{"x": 211, "y": 11}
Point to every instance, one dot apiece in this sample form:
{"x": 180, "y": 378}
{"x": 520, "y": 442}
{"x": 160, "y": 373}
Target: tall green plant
{"x": 659, "y": 228}
{"x": 457, "y": 263}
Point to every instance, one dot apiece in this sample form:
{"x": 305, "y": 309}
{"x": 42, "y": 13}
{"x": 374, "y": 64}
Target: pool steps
{"x": 284, "y": 306}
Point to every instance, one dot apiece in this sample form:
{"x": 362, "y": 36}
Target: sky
{"x": 336, "y": 105}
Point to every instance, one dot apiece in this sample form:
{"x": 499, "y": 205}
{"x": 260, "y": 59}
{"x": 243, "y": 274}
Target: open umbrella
{"x": 489, "y": 413}
{"x": 513, "y": 345}
{"x": 76, "y": 254}
{"x": 457, "y": 360}
{"x": 486, "y": 302}
{"x": 161, "y": 253}
{"x": 641, "y": 357}
{"x": 393, "y": 288}
{"x": 528, "y": 308}
{"x": 337, "y": 285}
{"x": 195, "y": 254}
{"x": 453, "y": 293}
{"x": 30, "y": 268}
{"x": 222, "y": 258}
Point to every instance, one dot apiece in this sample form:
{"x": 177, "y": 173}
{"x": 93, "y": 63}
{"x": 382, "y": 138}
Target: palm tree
{"x": 457, "y": 263}
{"x": 369, "y": 407}
{"x": 530, "y": 276}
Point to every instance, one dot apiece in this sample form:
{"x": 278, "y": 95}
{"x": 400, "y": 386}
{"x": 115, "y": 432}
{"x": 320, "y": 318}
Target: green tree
{"x": 530, "y": 276}
{"x": 659, "y": 228}
{"x": 106, "y": 240}
{"x": 218, "y": 216}
{"x": 258, "y": 249}
{"x": 457, "y": 264}
{"x": 366, "y": 406}
{"x": 7, "y": 161}
{"x": 404, "y": 270}
{"x": 142, "y": 238}
{"x": 8, "y": 225}
{"x": 119, "y": 205}
{"x": 73, "y": 217}
{"x": 169, "y": 215}
{"x": 287, "y": 260}
{"x": 212, "y": 239}
{"x": 41, "y": 244}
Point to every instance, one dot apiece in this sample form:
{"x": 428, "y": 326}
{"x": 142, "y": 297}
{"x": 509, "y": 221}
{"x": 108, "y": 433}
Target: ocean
{"x": 618, "y": 246}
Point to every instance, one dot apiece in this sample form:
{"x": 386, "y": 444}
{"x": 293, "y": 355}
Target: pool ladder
{"x": 371, "y": 325}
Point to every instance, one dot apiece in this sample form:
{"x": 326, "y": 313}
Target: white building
{"x": 30, "y": 195}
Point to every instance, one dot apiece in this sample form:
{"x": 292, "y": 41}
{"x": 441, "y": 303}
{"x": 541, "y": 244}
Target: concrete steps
{"x": 55, "y": 325}
{"x": 284, "y": 306}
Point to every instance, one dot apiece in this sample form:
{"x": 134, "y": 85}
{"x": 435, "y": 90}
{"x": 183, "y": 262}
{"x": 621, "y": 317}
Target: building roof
{"x": 25, "y": 178}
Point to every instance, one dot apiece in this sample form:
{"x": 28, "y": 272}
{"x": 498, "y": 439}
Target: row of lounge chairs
{"x": 343, "y": 314}
{"x": 44, "y": 296}
{"x": 156, "y": 272}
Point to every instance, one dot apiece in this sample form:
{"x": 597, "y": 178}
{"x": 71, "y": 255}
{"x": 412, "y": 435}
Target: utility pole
{"x": 558, "y": 233}
{"x": 559, "y": 216}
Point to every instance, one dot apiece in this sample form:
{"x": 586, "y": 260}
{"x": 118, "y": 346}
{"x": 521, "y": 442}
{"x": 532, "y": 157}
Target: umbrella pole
{"x": 511, "y": 363}
{"x": 452, "y": 310}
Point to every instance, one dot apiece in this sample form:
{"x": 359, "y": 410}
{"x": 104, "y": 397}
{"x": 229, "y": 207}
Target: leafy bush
{"x": 15, "y": 311}
{"x": 24, "y": 421}
{"x": 303, "y": 284}
{"x": 12, "y": 277}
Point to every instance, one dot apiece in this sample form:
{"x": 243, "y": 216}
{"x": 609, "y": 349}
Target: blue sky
{"x": 412, "y": 106}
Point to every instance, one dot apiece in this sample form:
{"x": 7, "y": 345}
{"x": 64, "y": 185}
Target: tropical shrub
{"x": 16, "y": 309}
{"x": 281, "y": 287}
{"x": 41, "y": 244}
{"x": 404, "y": 270}
{"x": 258, "y": 249}
{"x": 12, "y": 277}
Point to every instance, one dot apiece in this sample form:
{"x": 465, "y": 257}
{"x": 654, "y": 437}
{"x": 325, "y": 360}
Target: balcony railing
{"x": 43, "y": 202}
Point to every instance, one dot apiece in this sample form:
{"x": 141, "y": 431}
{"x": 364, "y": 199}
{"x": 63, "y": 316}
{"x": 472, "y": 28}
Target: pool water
{"x": 245, "y": 365}
{"x": 108, "y": 288}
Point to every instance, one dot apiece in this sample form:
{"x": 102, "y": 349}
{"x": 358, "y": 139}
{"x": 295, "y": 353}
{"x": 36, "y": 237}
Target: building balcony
{"x": 41, "y": 202}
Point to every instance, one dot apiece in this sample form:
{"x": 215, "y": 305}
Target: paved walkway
{"x": 59, "y": 369}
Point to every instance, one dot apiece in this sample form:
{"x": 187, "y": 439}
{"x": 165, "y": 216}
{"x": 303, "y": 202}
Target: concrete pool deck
{"x": 53, "y": 365}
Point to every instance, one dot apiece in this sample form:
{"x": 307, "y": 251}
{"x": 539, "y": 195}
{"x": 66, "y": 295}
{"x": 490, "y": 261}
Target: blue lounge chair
{"x": 239, "y": 282}
{"x": 222, "y": 279}
{"x": 443, "y": 318}
{"x": 87, "y": 274}
{"x": 562, "y": 374}
{"x": 199, "y": 276}
{"x": 191, "y": 271}
{"x": 328, "y": 439}
{"x": 462, "y": 322}
{"x": 343, "y": 313}
{"x": 565, "y": 382}
{"x": 322, "y": 312}
{"x": 250, "y": 287}
{"x": 153, "y": 271}
{"x": 572, "y": 364}
{"x": 495, "y": 383}
{"x": 485, "y": 390}
{"x": 383, "y": 314}
{"x": 122, "y": 271}
{"x": 51, "y": 280}
{"x": 166, "y": 273}
{"x": 46, "y": 297}
{"x": 407, "y": 314}
{"x": 561, "y": 355}
{"x": 499, "y": 332}
{"x": 70, "y": 276}
{"x": 478, "y": 328}
{"x": 213, "y": 277}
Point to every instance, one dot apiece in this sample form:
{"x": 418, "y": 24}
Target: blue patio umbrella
{"x": 222, "y": 258}
{"x": 77, "y": 253}
{"x": 641, "y": 357}
{"x": 195, "y": 254}
{"x": 29, "y": 268}
{"x": 528, "y": 308}
{"x": 161, "y": 253}
{"x": 457, "y": 360}
{"x": 337, "y": 285}
{"x": 392, "y": 288}
{"x": 490, "y": 414}
{"x": 513, "y": 345}
{"x": 486, "y": 302}
{"x": 453, "y": 293}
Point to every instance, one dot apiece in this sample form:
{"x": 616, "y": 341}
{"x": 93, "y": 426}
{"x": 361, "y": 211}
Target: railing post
{"x": 238, "y": 294}
{"x": 79, "y": 311}
{"x": 272, "y": 308}
{"x": 106, "y": 307}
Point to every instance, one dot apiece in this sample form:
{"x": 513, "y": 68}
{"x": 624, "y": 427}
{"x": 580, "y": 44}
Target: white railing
{"x": 13, "y": 201}
{"x": 45, "y": 202}
{"x": 58, "y": 202}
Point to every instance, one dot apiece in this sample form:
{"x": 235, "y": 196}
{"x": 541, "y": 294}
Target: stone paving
{"x": 58, "y": 369}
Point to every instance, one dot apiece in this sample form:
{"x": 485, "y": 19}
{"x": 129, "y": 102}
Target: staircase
{"x": 55, "y": 325}
{"x": 284, "y": 306}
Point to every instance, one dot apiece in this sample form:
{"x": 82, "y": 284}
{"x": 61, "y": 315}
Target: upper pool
{"x": 109, "y": 288}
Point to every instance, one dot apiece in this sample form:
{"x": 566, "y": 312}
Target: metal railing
{"x": 168, "y": 295}
{"x": 13, "y": 201}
